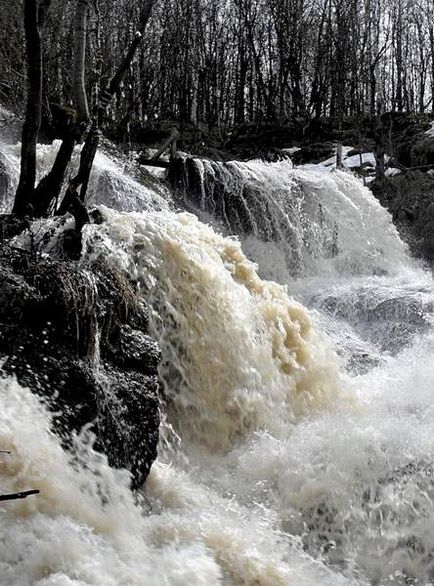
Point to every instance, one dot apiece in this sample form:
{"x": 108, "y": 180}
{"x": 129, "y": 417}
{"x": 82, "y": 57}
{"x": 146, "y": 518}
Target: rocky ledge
{"x": 409, "y": 197}
{"x": 76, "y": 334}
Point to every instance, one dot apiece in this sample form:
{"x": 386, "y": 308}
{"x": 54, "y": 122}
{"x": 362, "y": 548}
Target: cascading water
{"x": 276, "y": 466}
{"x": 110, "y": 182}
{"x": 304, "y": 222}
{"x": 238, "y": 351}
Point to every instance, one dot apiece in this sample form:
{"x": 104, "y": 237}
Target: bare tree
{"x": 34, "y": 17}
{"x": 39, "y": 200}
{"x": 205, "y": 63}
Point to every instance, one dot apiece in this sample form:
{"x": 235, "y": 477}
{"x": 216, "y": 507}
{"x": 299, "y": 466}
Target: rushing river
{"x": 298, "y": 439}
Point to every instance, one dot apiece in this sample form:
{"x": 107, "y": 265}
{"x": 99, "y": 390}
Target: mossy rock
{"x": 422, "y": 153}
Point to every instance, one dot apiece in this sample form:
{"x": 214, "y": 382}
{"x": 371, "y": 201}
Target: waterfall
{"x": 298, "y": 437}
{"x": 315, "y": 223}
{"x": 238, "y": 351}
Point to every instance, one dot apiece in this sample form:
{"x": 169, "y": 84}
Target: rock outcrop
{"x": 77, "y": 336}
{"x": 410, "y": 199}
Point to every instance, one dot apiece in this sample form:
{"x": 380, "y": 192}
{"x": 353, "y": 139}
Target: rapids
{"x": 298, "y": 438}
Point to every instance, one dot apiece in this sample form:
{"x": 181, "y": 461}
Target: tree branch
{"x": 18, "y": 495}
{"x": 115, "y": 82}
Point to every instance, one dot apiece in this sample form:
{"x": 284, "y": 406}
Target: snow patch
{"x": 430, "y": 131}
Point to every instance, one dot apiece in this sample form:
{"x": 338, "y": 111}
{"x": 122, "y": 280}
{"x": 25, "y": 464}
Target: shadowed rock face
{"x": 77, "y": 336}
{"x": 410, "y": 199}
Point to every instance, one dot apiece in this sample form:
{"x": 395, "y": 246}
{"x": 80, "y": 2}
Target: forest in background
{"x": 215, "y": 64}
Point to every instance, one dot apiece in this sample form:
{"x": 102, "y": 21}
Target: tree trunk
{"x": 86, "y": 160}
{"x": 79, "y": 83}
{"x": 81, "y": 180}
{"x": 339, "y": 162}
{"x": 32, "y": 122}
{"x": 379, "y": 149}
{"x": 40, "y": 200}
{"x": 50, "y": 186}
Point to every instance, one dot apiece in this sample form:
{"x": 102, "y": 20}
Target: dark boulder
{"x": 76, "y": 335}
{"x": 11, "y": 226}
{"x": 128, "y": 420}
{"x": 422, "y": 153}
{"x": 410, "y": 199}
{"x": 137, "y": 350}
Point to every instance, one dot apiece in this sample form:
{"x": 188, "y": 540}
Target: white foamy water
{"x": 110, "y": 182}
{"x": 298, "y": 442}
{"x": 85, "y": 528}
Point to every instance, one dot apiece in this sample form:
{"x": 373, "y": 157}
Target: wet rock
{"x": 409, "y": 197}
{"x": 361, "y": 363}
{"x": 388, "y": 324}
{"x": 76, "y": 335}
{"x": 128, "y": 420}
{"x": 17, "y": 298}
{"x": 10, "y": 225}
{"x": 138, "y": 351}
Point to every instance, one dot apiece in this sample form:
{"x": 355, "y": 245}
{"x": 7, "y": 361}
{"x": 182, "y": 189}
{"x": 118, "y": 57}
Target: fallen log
{"x": 152, "y": 163}
{"x": 174, "y": 135}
